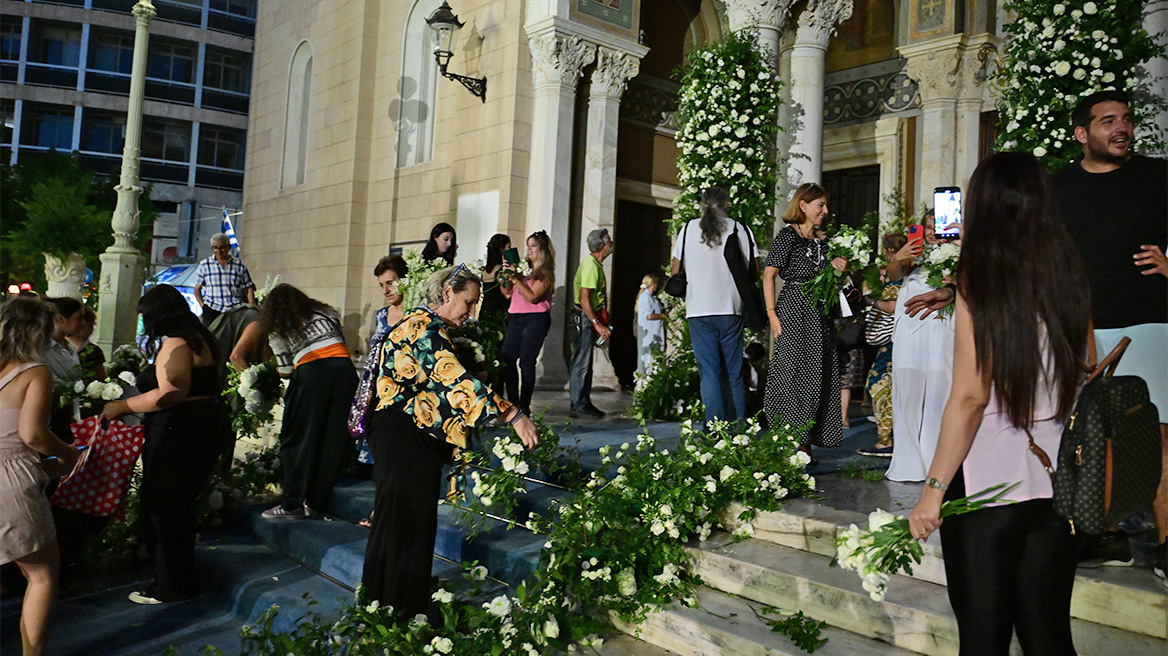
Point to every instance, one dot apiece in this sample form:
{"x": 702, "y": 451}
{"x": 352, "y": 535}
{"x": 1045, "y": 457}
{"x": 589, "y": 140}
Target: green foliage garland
{"x": 728, "y": 110}
{"x": 1060, "y": 51}
{"x": 617, "y": 548}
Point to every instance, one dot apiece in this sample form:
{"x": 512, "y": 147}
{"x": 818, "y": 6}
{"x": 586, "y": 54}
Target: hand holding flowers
{"x": 890, "y": 545}
{"x": 849, "y": 249}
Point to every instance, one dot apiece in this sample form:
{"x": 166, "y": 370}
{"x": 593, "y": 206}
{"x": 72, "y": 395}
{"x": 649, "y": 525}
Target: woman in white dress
{"x": 922, "y": 373}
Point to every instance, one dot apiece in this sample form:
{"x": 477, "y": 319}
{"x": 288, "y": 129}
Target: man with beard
{"x": 1115, "y": 204}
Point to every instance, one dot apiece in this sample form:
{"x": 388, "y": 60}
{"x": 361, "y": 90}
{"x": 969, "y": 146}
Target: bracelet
{"x": 518, "y": 415}
{"x": 936, "y": 484}
{"x": 595, "y": 321}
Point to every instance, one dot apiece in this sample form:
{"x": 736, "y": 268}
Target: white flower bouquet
{"x": 939, "y": 263}
{"x": 888, "y": 548}
{"x": 413, "y": 285}
{"x": 257, "y": 390}
{"x": 852, "y": 244}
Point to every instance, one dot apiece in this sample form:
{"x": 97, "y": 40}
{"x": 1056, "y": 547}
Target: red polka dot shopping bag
{"x": 98, "y": 484}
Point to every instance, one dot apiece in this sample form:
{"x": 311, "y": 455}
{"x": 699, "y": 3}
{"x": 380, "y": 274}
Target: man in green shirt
{"x": 591, "y": 298}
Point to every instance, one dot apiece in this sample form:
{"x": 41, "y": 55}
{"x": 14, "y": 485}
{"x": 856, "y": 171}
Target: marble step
{"x": 915, "y": 615}
{"x": 1122, "y": 597}
{"x": 621, "y": 644}
{"x": 725, "y": 625}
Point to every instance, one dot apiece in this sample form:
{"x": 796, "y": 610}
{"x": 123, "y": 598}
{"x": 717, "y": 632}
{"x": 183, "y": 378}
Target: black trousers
{"x": 408, "y": 475}
{"x": 181, "y": 448}
{"x": 1010, "y": 569}
{"x": 208, "y": 316}
{"x": 524, "y": 339}
{"x": 314, "y": 437}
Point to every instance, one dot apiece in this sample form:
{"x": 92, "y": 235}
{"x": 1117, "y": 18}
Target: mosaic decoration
{"x": 617, "y": 12}
{"x": 869, "y": 97}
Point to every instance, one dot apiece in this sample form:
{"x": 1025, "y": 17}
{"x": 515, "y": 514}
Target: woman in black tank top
{"x": 187, "y": 429}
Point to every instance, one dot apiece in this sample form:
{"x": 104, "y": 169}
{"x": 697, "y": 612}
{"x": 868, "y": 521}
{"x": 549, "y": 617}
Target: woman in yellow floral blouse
{"x": 424, "y": 404}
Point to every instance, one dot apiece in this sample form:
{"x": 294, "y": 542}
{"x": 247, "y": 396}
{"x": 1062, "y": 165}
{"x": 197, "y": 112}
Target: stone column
{"x": 557, "y": 61}
{"x": 120, "y": 283}
{"x": 1156, "y": 23}
{"x": 950, "y": 78}
{"x": 766, "y": 16}
{"x": 614, "y": 68}
{"x": 815, "y": 26}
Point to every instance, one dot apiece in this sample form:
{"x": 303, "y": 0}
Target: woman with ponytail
{"x": 713, "y": 306}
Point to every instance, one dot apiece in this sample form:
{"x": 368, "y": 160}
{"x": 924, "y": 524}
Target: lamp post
{"x": 121, "y": 264}
{"x": 446, "y": 25}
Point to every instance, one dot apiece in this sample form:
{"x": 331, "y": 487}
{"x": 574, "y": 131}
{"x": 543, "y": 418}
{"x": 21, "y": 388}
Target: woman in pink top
{"x": 531, "y": 302}
{"x": 1021, "y": 327}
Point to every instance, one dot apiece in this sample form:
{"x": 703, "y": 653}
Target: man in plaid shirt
{"x": 222, "y": 282}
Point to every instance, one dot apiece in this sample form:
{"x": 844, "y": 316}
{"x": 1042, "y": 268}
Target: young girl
{"x": 650, "y": 321}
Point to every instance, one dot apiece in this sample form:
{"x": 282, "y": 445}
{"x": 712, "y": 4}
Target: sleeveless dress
{"x": 26, "y": 520}
{"x": 802, "y": 383}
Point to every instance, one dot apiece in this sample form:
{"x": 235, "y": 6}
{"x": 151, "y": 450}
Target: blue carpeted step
{"x": 241, "y": 579}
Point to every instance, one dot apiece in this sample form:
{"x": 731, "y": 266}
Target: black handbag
{"x": 677, "y": 283}
{"x": 1109, "y": 456}
{"x": 744, "y": 269}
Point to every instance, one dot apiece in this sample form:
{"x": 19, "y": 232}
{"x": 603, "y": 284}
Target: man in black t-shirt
{"x": 1115, "y": 205}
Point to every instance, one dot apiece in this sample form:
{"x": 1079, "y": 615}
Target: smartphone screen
{"x": 511, "y": 255}
{"x": 947, "y": 206}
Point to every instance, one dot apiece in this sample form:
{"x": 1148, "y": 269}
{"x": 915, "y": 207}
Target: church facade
{"x": 357, "y": 145}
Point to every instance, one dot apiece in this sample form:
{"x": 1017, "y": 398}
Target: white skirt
{"x": 1146, "y": 357}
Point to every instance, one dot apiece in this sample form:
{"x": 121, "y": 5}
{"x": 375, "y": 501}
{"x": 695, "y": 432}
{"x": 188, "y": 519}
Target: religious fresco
{"x": 869, "y": 36}
{"x": 608, "y": 13}
{"x": 931, "y": 18}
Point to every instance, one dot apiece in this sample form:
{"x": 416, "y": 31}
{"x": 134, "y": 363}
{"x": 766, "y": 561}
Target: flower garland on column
{"x": 1060, "y": 51}
{"x": 728, "y": 111}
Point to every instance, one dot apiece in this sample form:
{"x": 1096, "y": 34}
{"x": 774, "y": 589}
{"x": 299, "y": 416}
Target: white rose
{"x": 128, "y": 378}
{"x": 551, "y": 628}
{"x": 1080, "y": 74}
{"x": 626, "y": 582}
{"x": 727, "y": 472}
{"x": 499, "y": 606}
{"x": 79, "y": 386}
{"x": 442, "y": 645}
{"x": 95, "y": 389}
{"x": 1058, "y": 9}
{"x": 1090, "y": 8}
{"x": 1039, "y": 151}
{"x": 112, "y": 392}
{"x": 1061, "y": 68}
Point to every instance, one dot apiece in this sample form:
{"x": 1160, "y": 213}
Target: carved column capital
{"x": 758, "y": 13}
{"x": 818, "y": 21}
{"x": 144, "y": 12}
{"x": 614, "y": 69}
{"x": 559, "y": 59}
{"x": 937, "y": 73}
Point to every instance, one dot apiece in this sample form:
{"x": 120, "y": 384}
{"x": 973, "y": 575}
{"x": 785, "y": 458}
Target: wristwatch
{"x": 936, "y": 484}
{"x": 595, "y": 321}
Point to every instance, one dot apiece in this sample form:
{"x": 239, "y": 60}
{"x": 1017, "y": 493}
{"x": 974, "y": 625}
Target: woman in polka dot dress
{"x": 802, "y": 385}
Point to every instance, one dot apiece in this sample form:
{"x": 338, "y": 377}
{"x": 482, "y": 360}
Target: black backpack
{"x": 1109, "y": 456}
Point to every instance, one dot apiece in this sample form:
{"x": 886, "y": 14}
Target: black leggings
{"x": 314, "y": 436}
{"x": 1010, "y": 569}
{"x": 525, "y": 335}
{"x": 408, "y": 475}
{"x": 182, "y": 445}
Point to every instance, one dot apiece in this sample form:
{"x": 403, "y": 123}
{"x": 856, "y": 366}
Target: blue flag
{"x": 230, "y": 232}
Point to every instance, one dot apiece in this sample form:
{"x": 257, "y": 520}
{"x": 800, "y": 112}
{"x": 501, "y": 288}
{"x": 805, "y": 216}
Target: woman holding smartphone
{"x": 1021, "y": 330}
{"x": 922, "y": 371}
{"x": 494, "y": 304}
{"x": 531, "y": 302}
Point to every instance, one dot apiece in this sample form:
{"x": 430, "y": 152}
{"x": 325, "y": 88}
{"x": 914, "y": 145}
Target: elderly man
{"x": 591, "y": 296}
{"x": 222, "y": 282}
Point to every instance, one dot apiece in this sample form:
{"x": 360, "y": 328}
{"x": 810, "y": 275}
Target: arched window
{"x": 416, "y": 89}
{"x": 296, "y": 116}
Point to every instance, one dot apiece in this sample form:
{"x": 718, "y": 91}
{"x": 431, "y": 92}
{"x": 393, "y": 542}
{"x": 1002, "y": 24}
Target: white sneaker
{"x": 279, "y": 512}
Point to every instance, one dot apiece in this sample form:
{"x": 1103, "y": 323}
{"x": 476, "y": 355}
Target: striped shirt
{"x": 323, "y": 329}
{"x": 223, "y": 286}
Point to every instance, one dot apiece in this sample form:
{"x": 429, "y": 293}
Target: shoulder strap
{"x": 17, "y": 370}
{"x": 684, "y": 232}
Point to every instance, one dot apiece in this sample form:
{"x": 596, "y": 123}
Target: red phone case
{"x": 916, "y": 234}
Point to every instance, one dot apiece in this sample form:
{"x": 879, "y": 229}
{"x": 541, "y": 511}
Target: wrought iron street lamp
{"x": 446, "y": 25}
